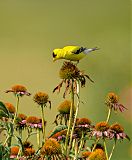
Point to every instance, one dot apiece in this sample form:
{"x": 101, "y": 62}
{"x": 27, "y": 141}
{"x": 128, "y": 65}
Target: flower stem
{"x": 76, "y": 113}
{"x": 70, "y": 119}
{"x": 113, "y": 148}
{"x": 38, "y": 138}
{"x": 97, "y": 140}
{"x": 43, "y": 125}
{"x": 106, "y": 150}
{"x": 108, "y": 116}
{"x": 17, "y": 104}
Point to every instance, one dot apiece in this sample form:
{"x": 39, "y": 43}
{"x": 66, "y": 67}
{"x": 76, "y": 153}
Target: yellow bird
{"x": 72, "y": 53}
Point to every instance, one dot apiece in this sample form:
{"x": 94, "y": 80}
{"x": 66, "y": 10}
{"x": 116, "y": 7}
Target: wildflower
{"x": 98, "y": 154}
{"x": 41, "y": 98}
{"x": 14, "y": 152}
{"x": 86, "y": 154}
{"x": 10, "y": 108}
{"x": 29, "y": 152}
{"x": 117, "y": 132}
{"x": 51, "y": 148}
{"x": 112, "y": 102}
{"x": 19, "y": 90}
{"x": 21, "y": 121}
{"x": 70, "y": 74}
{"x": 27, "y": 144}
{"x": 60, "y": 135}
{"x": 83, "y": 122}
{"x": 34, "y": 122}
{"x": 64, "y": 112}
{"x": 101, "y": 130}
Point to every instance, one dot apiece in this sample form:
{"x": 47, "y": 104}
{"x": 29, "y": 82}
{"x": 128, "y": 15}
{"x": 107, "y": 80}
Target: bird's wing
{"x": 74, "y": 49}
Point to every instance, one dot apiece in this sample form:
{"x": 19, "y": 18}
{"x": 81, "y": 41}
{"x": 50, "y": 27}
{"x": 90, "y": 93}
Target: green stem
{"x": 76, "y": 113}
{"x": 43, "y": 126}
{"x": 106, "y": 150}
{"x": 108, "y": 116}
{"x": 97, "y": 140}
{"x": 17, "y": 104}
{"x": 70, "y": 120}
{"x": 81, "y": 143}
{"x": 38, "y": 138}
{"x": 113, "y": 148}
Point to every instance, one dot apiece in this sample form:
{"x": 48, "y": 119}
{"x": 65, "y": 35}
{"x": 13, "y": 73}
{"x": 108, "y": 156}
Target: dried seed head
{"x": 117, "y": 128}
{"x": 64, "y": 107}
{"x": 83, "y": 121}
{"x": 69, "y": 71}
{"x": 98, "y": 154}
{"x": 51, "y": 147}
{"x": 112, "y": 98}
{"x": 102, "y": 126}
{"x": 10, "y": 108}
{"x": 14, "y": 150}
{"x": 41, "y": 98}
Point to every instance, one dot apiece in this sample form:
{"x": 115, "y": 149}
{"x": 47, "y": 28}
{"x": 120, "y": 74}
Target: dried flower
{"x": 101, "y": 130}
{"x": 64, "y": 112}
{"x": 19, "y": 90}
{"x": 41, "y": 98}
{"x": 86, "y": 154}
{"x": 21, "y": 121}
{"x": 112, "y": 102}
{"x": 29, "y": 152}
{"x": 64, "y": 107}
{"x": 70, "y": 75}
{"x": 10, "y": 108}
{"x": 98, "y": 154}
{"x": 60, "y": 135}
{"x": 117, "y": 132}
{"x": 34, "y": 122}
{"x": 51, "y": 148}
{"x": 27, "y": 144}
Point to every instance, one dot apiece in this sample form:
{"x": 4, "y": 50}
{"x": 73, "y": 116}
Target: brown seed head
{"x": 41, "y": 98}
{"x": 69, "y": 71}
{"x": 64, "y": 107}
{"x": 83, "y": 121}
{"x": 33, "y": 120}
{"x": 117, "y": 128}
{"x": 51, "y": 147}
{"x": 102, "y": 126}
{"x": 112, "y": 98}
{"x": 14, "y": 150}
{"x": 29, "y": 151}
{"x": 98, "y": 154}
{"x": 10, "y": 107}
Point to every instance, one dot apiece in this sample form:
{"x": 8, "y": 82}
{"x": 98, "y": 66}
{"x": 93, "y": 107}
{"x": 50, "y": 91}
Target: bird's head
{"x": 56, "y": 54}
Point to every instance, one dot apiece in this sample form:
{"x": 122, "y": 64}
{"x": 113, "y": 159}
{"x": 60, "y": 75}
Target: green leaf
{"x": 19, "y": 140}
{"x": 3, "y": 114}
{"x": 58, "y": 129}
{"x": 4, "y": 109}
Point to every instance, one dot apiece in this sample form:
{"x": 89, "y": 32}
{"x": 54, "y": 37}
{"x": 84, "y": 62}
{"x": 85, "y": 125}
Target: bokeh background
{"x": 30, "y": 30}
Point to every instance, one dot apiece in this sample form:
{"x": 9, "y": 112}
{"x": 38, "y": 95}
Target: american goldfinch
{"x": 72, "y": 53}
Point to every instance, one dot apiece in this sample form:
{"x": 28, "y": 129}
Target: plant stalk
{"x": 43, "y": 125}
{"x": 70, "y": 120}
{"x": 108, "y": 116}
{"x": 105, "y": 149}
{"x": 113, "y": 148}
{"x": 76, "y": 113}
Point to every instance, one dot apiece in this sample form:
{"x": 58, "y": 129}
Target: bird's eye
{"x": 54, "y": 55}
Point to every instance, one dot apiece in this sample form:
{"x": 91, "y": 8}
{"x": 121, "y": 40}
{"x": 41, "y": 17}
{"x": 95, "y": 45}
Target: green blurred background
{"x": 31, "y": 29}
